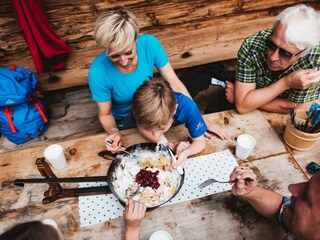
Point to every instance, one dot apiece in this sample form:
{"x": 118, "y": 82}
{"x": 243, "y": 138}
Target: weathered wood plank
{"x": 217, "y": 216}
{"x": 193, "y": 47}
{"x": 205, "y": 31}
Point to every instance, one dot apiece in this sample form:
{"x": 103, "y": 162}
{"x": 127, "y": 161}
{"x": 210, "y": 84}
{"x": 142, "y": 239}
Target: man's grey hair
{"x": 302, "y": 26}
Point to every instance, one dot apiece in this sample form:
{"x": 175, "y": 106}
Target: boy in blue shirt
{"x": 156, "y": 107}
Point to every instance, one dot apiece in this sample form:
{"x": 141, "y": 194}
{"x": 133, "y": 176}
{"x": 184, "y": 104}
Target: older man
{"x": 299, "y": 216}
{"x": 278, "y": 69}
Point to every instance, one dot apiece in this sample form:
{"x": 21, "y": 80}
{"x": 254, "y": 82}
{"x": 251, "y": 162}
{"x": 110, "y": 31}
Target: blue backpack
{"x": 23, "y": 114}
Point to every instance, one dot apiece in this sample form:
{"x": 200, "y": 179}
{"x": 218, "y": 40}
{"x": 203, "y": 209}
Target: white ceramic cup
{"x": 245, "y": 145}
{"x": 50, "y": 222}
{"x": 55, "y": 155}
{"x": 161, "y": 235}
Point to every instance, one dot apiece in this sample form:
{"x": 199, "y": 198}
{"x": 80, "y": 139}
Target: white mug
{"x": 55, "y": 155}
{"x": 161, "y": 235}
{"x": 50, "y": 222}
{"x": 245, "y": 145}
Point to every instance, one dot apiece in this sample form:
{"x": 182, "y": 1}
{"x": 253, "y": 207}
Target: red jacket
{"x": 47, "y": 49}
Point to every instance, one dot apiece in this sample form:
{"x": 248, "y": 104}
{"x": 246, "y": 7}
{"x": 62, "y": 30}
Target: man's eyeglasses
{"x": 282, "y": 52}
{"x": 313, "y": 167}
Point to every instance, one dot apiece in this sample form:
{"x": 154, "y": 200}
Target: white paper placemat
{"x": 101, "y": 208}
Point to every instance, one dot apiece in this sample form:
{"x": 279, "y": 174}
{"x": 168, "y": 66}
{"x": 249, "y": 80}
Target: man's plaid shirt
{"x": 252, "y": 67}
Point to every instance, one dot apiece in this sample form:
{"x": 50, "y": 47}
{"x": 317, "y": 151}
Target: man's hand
{"x": 302, "y": 79}
{"x": 242, "y": 187}
{"x": 229, "y": 91}
{"x": 133, "y": 214}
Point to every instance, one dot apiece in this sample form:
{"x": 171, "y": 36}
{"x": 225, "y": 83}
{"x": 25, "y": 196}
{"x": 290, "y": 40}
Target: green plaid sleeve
{"x": 302, "y": 96}
{"x": 245, "y": 70}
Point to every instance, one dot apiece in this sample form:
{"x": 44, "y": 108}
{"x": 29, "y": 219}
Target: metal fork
{"x": 212, "y": 180}
{"x": 136, "y": 157}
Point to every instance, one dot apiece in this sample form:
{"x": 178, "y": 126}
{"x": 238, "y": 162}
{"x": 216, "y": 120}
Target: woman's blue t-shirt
{"x": 107, "y": 83}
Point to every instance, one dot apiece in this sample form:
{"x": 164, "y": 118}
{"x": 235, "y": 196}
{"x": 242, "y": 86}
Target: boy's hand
{"x": 215, "y": 129}
{"x": 181, "y": 159}
{"x": 181, "y": 146}
{"x": 181, "y": 154}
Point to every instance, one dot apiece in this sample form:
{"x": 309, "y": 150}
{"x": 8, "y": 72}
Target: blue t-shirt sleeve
{"x": 99, "y": 87}
{"x": 195, "y": 122}
{"x": 189, "y": 114}
{"x": 160, "y": 56}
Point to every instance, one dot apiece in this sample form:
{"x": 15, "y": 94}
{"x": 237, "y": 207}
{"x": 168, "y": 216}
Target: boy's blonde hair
{"x": 154, "y": 104}
{"x": 117, "y": 28}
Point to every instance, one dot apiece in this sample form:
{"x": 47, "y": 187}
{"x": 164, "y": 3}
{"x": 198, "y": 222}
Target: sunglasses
{"x": 282, "y": 52}
{"x": 313, "y": 167}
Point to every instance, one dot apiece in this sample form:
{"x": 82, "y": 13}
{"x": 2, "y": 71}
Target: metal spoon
{"x": 136, "y": 157}
{"x": 212, "y": 180}
{"x": 174, "y": 159}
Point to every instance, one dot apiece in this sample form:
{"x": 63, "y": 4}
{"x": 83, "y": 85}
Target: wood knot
{"x": 153, "y": 19}
{"x": 226, "y": 120}
{"x": 94, "y": 8}
{"x": 73, "y": 151}
{"x": 186, "y": 55}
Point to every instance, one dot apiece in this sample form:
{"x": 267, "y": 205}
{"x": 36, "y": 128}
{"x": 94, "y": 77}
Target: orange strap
{"x": 39, "y": 108}
{"x": 6, "y": 112}
{"x": 37, "y": 105}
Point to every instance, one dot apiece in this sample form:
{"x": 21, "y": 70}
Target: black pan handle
{"x": 21, "y": 182}
{"x": 107, "y": 155}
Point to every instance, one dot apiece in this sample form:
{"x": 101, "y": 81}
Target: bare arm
{"x": 248, "y": 98}
{"x": 266, "y": 202}
{"x": 106, "y": 117}
{"x": 134, "y": 212}
{"x": 169, "y": 75}
{"x": 279, "y": 105}
{"x": 184, "y": 151}
{"x": 109, "y": 124}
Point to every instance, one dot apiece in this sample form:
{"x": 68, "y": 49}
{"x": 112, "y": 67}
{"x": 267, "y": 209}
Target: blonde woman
{"x": 128, "y": 59}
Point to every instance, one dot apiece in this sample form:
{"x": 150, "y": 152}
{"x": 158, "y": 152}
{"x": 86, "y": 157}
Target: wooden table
{"x": 219, "y": 216}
